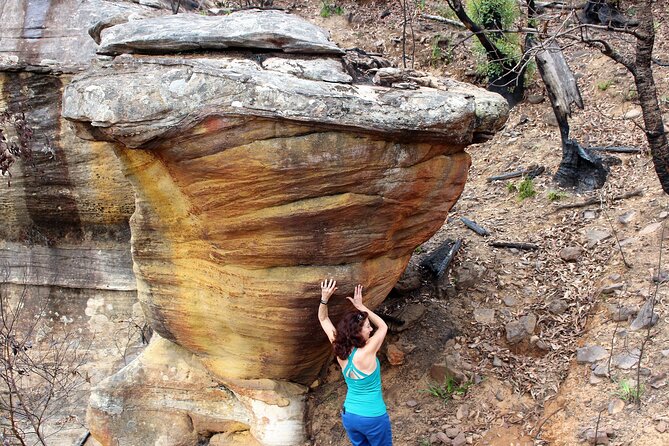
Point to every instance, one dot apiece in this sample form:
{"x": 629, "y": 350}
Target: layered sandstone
{"x": 253, "y": 181}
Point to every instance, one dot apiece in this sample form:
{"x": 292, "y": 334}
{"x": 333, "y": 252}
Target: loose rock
{"x": 616, "y": 405}
{"x": 571, "y": 253}
{"x": 590, "y": 353}
{"x": 594, "y": 236}
{"x": 646, "y": 317}
{"x": 627, "y": 218}
{"x": 626, "y": 360}
{"x": 484, "y": 316}
{"x": 395, "y": 355}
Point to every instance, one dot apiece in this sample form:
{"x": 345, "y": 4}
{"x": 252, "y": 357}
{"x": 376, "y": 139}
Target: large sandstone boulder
{"x": 255, "y": 180}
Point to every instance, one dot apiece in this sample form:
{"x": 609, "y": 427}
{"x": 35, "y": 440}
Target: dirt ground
{"x": 533, "y": 392}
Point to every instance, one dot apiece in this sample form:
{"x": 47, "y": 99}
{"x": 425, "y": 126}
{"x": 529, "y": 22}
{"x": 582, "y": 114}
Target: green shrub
{"x": 511, "y": 187}
{"x": 604, "y": 85}
{"x": 446, "y": 390}
{"x": 629, "y": 391}
{"x": 526, "y": 189}
{"x": 328, "y": 9}
{"x": 496, "y": 15}
{"x": 556, "y": 195}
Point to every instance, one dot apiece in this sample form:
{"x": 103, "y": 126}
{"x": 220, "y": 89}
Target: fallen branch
{"x": 474, "y": 227}
{"x": 536, "y": 436}
{"x": 516, "y": 245}
{"x": 615, "y": 149}
{"x": 594, "y": 200}
{"x": 438, "y": 18}
{"x": 530, "y": 172}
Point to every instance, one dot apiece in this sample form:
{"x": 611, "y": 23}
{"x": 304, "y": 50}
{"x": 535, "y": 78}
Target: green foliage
{"x": 328, "y": 9}
{"x": 425, "y": 442}
{"x": 511, "y": 187}
{"x": 496, "y": 15}
{"x": 526, "y": 189}
{"x": 446, "y": 390}
{"x": 420, "y": 4}
{"x": 604, "y": 85}
{"x": 556, "y": 195}
{"x": 629, "y": 391}
{"x": 447, "y": 12}
{"x": 418, "y": 249}
{"x": 438, "y": 53}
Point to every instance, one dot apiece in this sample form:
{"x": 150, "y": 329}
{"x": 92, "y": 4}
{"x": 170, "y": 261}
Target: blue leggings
{"x": 368, "y": 431}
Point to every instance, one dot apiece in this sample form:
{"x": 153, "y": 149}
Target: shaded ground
{"x": 534, "y": 391}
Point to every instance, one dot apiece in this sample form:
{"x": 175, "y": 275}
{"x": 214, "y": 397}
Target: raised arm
{"x": 328, "y": 287}
{"x": 374, "y": 343}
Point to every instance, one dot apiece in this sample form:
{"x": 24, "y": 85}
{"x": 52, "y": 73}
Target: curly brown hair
{"x": 349, "y": 334}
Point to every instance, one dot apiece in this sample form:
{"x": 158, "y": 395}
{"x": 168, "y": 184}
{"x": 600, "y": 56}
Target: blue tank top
{"x": 364, "y": 396}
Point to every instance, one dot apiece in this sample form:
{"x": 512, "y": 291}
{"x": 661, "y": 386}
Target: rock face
{"x": 251, "y": 185}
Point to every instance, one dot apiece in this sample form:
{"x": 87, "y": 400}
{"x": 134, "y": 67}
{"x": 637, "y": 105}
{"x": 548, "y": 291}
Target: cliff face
{"x": 257, "y": 173}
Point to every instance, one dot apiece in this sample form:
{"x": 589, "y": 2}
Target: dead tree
{"x": 579, "y": 168}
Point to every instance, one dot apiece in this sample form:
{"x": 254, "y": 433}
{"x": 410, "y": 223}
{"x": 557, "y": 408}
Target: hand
{"x": 356, "y": 300}
{"x": 327, "y": 289}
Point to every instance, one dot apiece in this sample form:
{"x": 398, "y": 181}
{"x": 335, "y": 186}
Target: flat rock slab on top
{"x": 270, "y": 30}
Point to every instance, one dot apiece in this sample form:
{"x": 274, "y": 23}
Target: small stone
{"x": 621, "y": 314}
{"x": 594, "y": 379}
{"x": 443, "y": 438}
{"x": 616, "y": 405}
{"x": 665, "y": 353}
{"x": 627, "y": 218}
{"x": 470, "y": 439}
{"x": 499, "y": 395}
{"x": 412, "y": 403}
{"x": 646, "y": 317}
{"x": 460, "y": 440}
{"x": 650, "y": 228}
{"x": 658, "y": 381}
{"x": 601, "y": 438}
{"x": 632, "y": 114}
{"x": 602, "y": 370}
{"x": 529, "y": 322}
{"x": 589, "y": 214}
{"x": 315, "y": 384}
{"x": 515, "y": 332}
{"x": 558, "y": 306}
{"x": 590, "y": 353}
{"x": 496, "y": 362}
{"x": 594, "y": 236}
{"x": 462, "y": 412}
{"x": 453, "y": 432}
{"x": 510, "y": 301}
{"x": 626, "y": 360}
{"x": 395, "y": 355}
{"x": 536, "y": 98}
{"x": 571, "y": 253}
{"x": 663, "y": 215}
{"x": 662, "y": 277}
{"x": 661, "y": 427}
{"x": 610, "y": 288}
{"x": 484, "y": 316}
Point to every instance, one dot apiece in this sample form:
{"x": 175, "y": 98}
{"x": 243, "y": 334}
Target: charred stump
{"x": 579, "y": 168}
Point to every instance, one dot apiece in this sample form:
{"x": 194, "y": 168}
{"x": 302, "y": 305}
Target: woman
{"x": 364, "y": 413}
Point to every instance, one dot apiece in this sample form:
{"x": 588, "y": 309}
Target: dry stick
{"x": 599, "y": 417}
{"x": 441, "y": 19}
{"x": 615, "y": 149}
{"x": 650, "y": 322}
{"x": 615, "y": 233}
{"x": 480, "y": 230}
{"x": 613, "y": 337}
{"x": 591, "y": 201}
{"x": 536, "y": 436}
{"x": 525, "y": 246}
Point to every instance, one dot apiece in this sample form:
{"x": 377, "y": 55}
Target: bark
{"x": 645, "y": 85}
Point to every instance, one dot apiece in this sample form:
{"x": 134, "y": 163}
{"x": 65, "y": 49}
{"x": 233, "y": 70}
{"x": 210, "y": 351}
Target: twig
{"x": 615, "y": 233}
{"x": 650, "y": 322}
{"x": 530, "y": 172}
{"x": 441, "y": 19}
{"x": 595, "y": 200}
{"x": 525, "y": 246}
{"x": 536, "y": 436}
{"x": 480, "y": 230}
{"x": 599, "y": 417}
{"x": 614, "y": 149}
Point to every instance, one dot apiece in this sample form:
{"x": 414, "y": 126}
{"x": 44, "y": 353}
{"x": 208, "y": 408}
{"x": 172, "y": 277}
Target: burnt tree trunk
{"x": 579, "y": 168}
{"x": 645, "y": 87}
